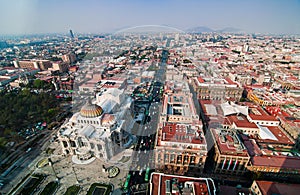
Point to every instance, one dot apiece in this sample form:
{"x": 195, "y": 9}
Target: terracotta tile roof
{"x": 226, "y": 144}
{"x": 200, "y": 80}
{"x": 280, "y": 135}
{"x": 241, "y": 122}
{"x": 200, "y": 185}
{"x": 263, "y": 117}
{"x": 276, "y": 161}
{"x": 179, "y": 133}
{"x": 269, "y": 187}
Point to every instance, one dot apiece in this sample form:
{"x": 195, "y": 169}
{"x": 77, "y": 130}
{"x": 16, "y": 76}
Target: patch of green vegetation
{"x": 72, "y": 190}
{"x": 124, "y": 159}
{"x": 244, "y": 99}
{"x": 50, "y": 150}
{"x": 17, "y": 186}
{"x": 42, "y": 163}
{"x": 2, "y": 142}
{"x": 90, "y": 56}
{"x": 22, "y": 109}
{"x": 107, "y": 188}
{"x": 152, "y": 68}
{"x": 50, "y": 188}
{"x": 31, "y": 185}
{"x": 187, "y": 61}
{"x": 288, "y": 106}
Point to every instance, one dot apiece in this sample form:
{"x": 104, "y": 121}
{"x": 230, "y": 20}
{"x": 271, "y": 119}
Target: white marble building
{"x": 101, "y": 129}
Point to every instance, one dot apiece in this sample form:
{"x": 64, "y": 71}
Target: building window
{"x": 185, "y": 159}
{"x": 192, "y": 159}
{"x": 172, "y": 160}
{"x": 179, "y": 159}
{"x": 166, "y": 158}
{"x": 158, "y": 157}
{"x": 99, "y": 147}
{"x": 92, "y": 145}
{"x": 65, "y": 144}
{"x": 80, "y": 142}
{"x": 73, "y": 143}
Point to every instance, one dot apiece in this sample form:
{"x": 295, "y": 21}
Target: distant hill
{"x": 202, "y": 29}
{"x": 230, "y": 29}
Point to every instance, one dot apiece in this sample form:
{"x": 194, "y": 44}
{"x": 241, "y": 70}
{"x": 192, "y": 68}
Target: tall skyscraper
{"x": 71, "y": 33}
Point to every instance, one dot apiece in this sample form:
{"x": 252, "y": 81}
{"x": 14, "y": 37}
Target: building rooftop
{"x": 163, "y": 184}
{"x": 172, "y": 132}
{"x": 228, "y": 142}
{"x": 252, "y": 147}
{"x": 220, "y": 82}
{"x": 269, "y": 187}
{"x": 178, "y": 104}
{"x": 229, "y": 108}
{"x": 224, "y": 190}
{"x": 241, "y": 122}
{"x": 283, "y": 162}
{"x": 277, "y": 134}
{"x": 257, "y": 113}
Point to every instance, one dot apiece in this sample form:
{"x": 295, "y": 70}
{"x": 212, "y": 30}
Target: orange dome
{"x": 108, "y": 119}
{"x": 90, "y": 110}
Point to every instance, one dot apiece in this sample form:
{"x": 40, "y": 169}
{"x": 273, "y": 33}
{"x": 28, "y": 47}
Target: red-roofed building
{"x": 180, "y": 142}
{"x": 231, "y": 156}
{"x": 258, "y": 116}
{"x": 225, "y": 190}
{"x": 242, "y": 123}
{"x": 279, "y": 164}
{"x": 163, "y": 184}
{"x": 273, "y": 110}
{"x": 271, "y": 161}
{"x": 291, "y": 125}
{"x": 200, "y": 80}
{"x": 217, "y": 88}
{"x": 180, "y": 148}
{"x": 270, "y": 188}
{"x": 179, "y": 108}
{"x": 283, "y": 140}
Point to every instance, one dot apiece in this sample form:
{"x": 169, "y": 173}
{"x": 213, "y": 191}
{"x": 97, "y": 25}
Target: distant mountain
{"x": 200, "y": 29}
{"x": 230, "y": 29}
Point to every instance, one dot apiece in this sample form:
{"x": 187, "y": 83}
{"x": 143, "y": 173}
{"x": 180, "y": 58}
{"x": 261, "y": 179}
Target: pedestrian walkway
{"x": 82, "y": 162}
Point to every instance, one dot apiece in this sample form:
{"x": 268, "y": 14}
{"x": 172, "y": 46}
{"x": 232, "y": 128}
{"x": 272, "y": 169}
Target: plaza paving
{"x": 87, "y": 174}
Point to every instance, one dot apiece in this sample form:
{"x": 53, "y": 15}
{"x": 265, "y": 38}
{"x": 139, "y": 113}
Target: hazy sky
{"x": 46, "y": 16}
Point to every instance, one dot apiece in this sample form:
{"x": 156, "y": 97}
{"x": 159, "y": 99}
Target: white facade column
{"x": 229, "y": 163}
{"x": 236, "y": 161}
{"x": 224, "y": 162}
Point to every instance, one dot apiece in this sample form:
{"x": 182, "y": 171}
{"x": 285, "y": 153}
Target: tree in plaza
{"x": 2, "y": 142}
{"x": 23, "y": 109}
{"x": 38, "y": 84}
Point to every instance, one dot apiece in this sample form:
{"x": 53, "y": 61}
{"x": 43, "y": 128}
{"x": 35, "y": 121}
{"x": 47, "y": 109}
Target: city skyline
{"x": 30, "y": 17}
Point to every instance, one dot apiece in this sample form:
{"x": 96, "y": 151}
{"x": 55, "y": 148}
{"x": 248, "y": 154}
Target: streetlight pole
{"x": 51, "y": 164}
{"x": 75, "y": 175}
